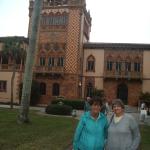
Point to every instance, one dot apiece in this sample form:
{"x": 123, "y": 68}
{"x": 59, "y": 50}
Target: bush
{"x": 145, "y": 97}
{"x": 75, "y": 104}
{"x": 56, "y": 109}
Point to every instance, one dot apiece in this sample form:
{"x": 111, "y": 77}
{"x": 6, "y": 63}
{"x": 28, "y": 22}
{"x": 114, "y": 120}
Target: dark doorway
{"x": 55, "y": 90}
{"x": 122, "y": 92}
{"x": 89, "y": 90}
{"x": 43, "y": 88}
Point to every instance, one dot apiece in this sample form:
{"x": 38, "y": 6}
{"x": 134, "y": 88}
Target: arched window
{"x": 60, "y": 62}
{"x": 51, "y": 61}
{"x": 54, "y": 20}
{"x": 109, "y": 63}
{"x": 137, "y": 64}
{"x": 42, "y": 61}
{"x": 91, "y": 64}
{"x": 42, "y": 88}
{"x": 128, "y": 64}
{"x": 55, "y": 89}
{"x": 5, "y": 59}
{"x": 118, "y": 64}
{"x": 89, "y": 90}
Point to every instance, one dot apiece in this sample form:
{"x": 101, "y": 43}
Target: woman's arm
{"x": 78, "y": 132}
{"x": 106, "y": 129}
{"x": 135, "y": 134}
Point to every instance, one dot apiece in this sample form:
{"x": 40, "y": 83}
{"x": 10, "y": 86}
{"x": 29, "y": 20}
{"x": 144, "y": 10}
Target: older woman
{"x": 92, "y": 129}
{"x": 123, "y": 132}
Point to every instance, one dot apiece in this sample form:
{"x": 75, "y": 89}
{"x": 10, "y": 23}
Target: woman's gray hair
{"x": 118, "y": 102}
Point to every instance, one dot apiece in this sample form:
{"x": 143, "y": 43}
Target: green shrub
{"x": 75, "y": 104}
{"x": 60, "y": 98}
{"x": 145, "y": 97}
{"x": 57, "y": 109}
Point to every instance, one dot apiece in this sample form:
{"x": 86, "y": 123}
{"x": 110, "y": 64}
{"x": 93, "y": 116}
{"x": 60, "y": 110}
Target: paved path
{"x": 128, "y": 109}
{"x": 41, "y": 109}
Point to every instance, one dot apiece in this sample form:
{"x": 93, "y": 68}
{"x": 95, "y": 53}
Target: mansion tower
{"x": 64, "y": 28}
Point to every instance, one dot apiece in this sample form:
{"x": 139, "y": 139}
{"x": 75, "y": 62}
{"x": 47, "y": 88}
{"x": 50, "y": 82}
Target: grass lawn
{"x": 43, "y": 133}
{"x": 145, "y": 133}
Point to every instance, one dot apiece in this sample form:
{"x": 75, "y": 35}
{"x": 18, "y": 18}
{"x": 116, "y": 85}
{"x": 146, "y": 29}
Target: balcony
{"x": 47, "y": 69}
{"x": 123, "y": 75}
{"x": 9, "y": 67}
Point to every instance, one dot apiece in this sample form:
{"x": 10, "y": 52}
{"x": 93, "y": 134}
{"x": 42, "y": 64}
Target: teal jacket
{"x": 90, "y": 133}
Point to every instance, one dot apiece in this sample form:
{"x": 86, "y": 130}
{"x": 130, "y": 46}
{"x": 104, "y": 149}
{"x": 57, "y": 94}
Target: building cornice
{"x": 17, "y": 38}
{"x": 141, "y": 46}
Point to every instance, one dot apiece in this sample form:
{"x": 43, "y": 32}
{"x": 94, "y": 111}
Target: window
{"x": 42, "y": 61}
{"x": 55, "y": 89}
{"x": 109, "y": 65}
{"x": 54, "y": 20}
{"x": 51, "y": 61}
{"x": 137, "y": 67}
{"x": 90, "y": 66}
{"x": 127, "y": 66}
{"x": 56, "y": 47}
{"x": 3, "y": 86}
{"x": 90, "y": 63}
{"x": 47, "y": 46}
{"x": 89, "y": 90}
{"x": 4, "y": 59}
{"x": 43, "y": 88}
{"x": 118, "y": 66}
{"x": 18, "y": 60}
{"x": 57, "y": 2}
{"x": 60, "y": 62}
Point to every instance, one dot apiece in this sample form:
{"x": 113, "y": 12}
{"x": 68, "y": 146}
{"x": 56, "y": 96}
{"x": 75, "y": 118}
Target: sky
{"x": 116, "y": 21}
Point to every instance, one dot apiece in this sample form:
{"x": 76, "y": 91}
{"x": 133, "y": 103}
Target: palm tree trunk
{"x": 12, "y": 86}
{"x": 27, "y": 82}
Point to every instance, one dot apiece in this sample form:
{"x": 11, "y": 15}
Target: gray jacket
{"x": 124, "y": 135}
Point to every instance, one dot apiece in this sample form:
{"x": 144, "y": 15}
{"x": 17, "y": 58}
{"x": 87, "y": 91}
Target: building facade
{"x": 121, "y": 70}
{"x": 7, "y": 68}
{"x": 64, "y": 27}
{"x": 68, "y": 65}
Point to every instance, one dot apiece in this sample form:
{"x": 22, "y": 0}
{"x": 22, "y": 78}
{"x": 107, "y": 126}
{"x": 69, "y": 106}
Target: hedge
{"x": 75, "y": 104}
{"x": 57, "y": 109}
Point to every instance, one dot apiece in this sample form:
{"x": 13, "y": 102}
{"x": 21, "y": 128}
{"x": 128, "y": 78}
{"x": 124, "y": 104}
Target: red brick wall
{"x": 68, "y": 88}
{"x": 134, "y": 89}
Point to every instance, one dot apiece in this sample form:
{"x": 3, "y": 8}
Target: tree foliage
{"x": 98, "y": 93}
{"x": 13, "y": 49}
{"x": 145, "y": 96}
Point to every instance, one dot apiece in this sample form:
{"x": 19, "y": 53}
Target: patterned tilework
{"x": 72, "y": 50}
{"x": 52, "y": 36}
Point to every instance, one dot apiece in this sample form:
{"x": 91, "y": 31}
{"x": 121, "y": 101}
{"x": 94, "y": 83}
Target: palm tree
{"x": 13, "y": 49}
{"x": 27, "y": 82}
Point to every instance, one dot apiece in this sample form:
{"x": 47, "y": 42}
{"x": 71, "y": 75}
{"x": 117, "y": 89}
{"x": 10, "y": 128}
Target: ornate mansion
{"x": 68, "y": 64}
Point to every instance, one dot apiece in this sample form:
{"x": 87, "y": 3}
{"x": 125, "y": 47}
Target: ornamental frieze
{"x": 48, "y": 11}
